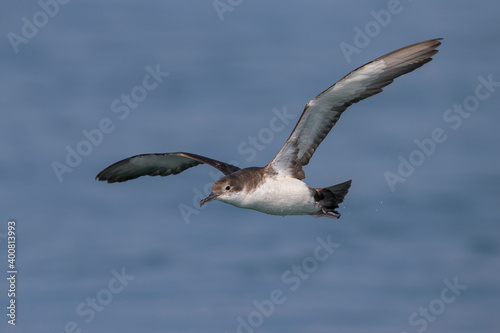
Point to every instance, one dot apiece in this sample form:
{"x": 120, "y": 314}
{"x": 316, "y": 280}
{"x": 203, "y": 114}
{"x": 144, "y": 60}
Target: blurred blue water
{"x": 225, "y": 78}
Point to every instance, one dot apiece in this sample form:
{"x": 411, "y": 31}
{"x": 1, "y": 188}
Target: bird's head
{"x": 226, "y": 189}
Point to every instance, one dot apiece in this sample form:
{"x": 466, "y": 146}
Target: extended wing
{"x": 321, "y": 113}
{"x": 158, "y": 165}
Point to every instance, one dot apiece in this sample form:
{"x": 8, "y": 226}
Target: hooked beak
{"x": 211, "y": 197}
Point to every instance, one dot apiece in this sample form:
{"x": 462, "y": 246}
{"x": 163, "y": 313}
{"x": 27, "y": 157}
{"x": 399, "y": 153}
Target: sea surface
{"x": 85, "y": 84}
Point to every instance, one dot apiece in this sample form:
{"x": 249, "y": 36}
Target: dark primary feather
{"x": 158, "y": 165}
{"x": 322, "y": 113}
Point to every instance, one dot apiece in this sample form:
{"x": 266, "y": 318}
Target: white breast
{"x": 279, "y": 195}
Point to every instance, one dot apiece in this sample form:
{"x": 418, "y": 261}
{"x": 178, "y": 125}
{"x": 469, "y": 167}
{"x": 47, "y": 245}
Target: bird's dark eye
{"x": 228, "y": 188}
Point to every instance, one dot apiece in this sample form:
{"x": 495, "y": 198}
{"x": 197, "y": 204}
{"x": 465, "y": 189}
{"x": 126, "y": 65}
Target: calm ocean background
{"x": 204, "y": 272}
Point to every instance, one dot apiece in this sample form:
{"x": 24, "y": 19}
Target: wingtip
{"x": 102, "y": 178}
{"x": 99, "y": 177}
{"x": 434, "y": 43}
{"x": 437, "y": 40}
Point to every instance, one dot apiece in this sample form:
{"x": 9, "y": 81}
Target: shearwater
{"x": 277, "y": 188}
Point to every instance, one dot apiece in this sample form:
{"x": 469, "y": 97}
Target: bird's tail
{"x": 331, "y": 197}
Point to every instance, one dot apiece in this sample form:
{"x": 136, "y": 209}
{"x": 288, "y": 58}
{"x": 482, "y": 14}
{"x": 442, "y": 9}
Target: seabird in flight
{"x": 277, "y": 188}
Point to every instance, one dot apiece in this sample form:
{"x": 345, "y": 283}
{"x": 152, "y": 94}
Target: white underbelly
{"x": 280, "y": 195}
